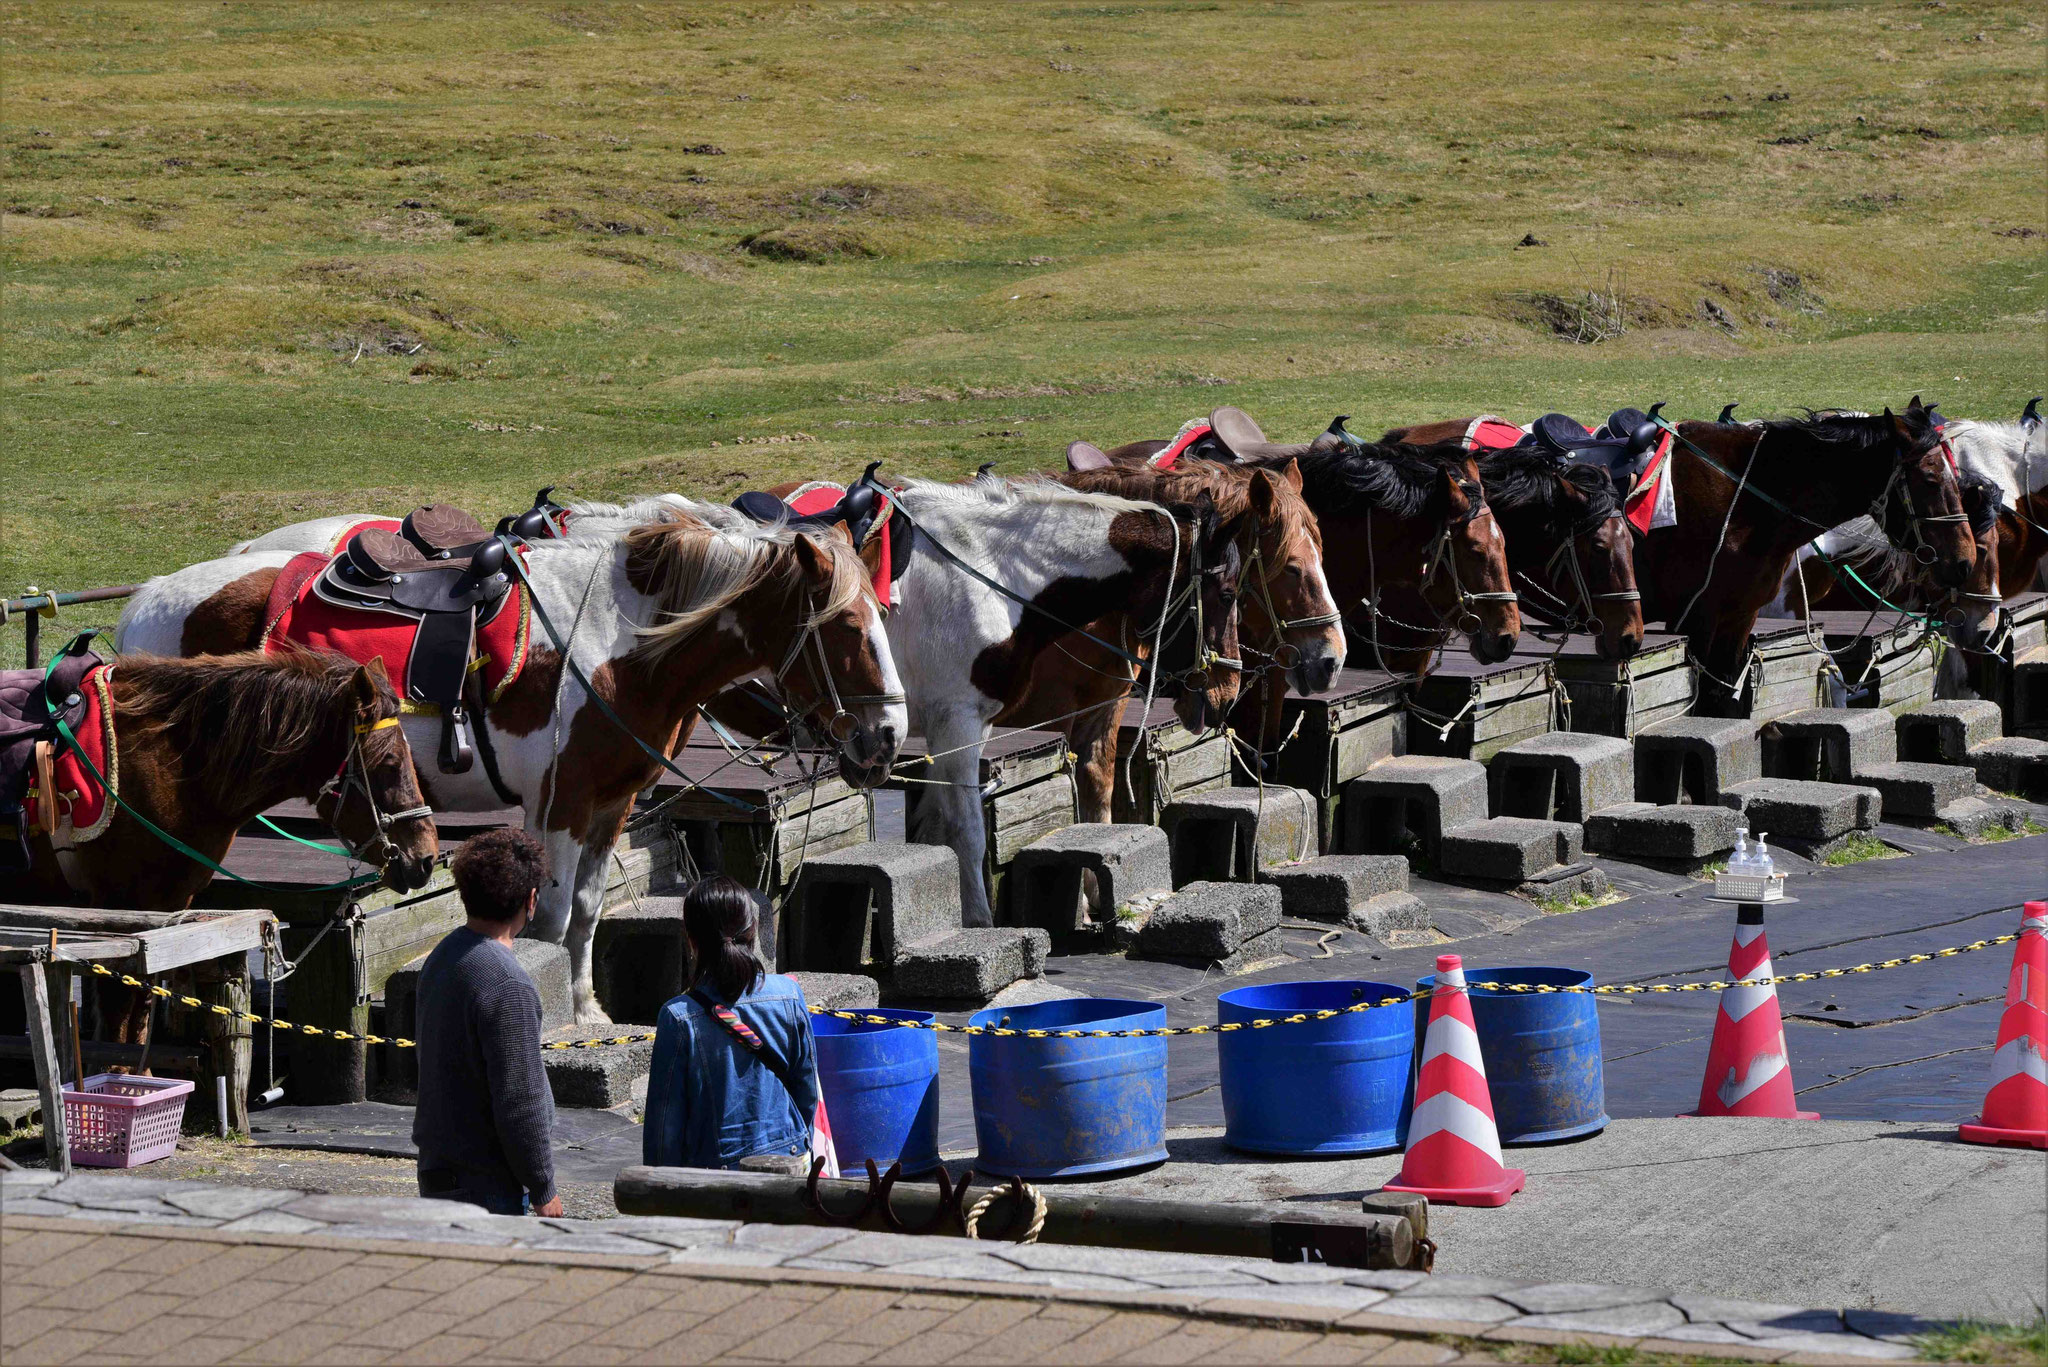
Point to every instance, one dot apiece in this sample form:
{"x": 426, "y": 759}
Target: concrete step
{"x": 1229, "y": 834}
{"x": 1331, "y": 887}
{"x": 1790, "y": 808}
{"x": 1946, "y": 732}
{"x": 1510, "y": 849}
{"x": 1918, "y": 792}
{"x": 1681, "y": 833}
{"x": 1210, "y": 923}
{"x": 969, "y": 965}
{"x": 598, "y": 1078}
{"x": 1410, "y": 801}
{"x": 2013, "y": 764}
{"x": 1561, "y": 776}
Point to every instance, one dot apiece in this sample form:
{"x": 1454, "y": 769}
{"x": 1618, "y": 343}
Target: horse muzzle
{"x": 867, "y": 756}
{"x": 1491, "y": 647}
{"x": 404, "y": 872}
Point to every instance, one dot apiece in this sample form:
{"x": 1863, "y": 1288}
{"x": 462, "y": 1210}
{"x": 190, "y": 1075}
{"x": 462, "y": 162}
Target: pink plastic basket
{"x": 119, "y": 1121}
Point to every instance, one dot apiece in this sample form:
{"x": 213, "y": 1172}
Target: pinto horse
{"x": 1288, "y": 625}
{"x": 1567, "y": 542}
{"x": 1748, "y": 497}
{"x": 200, "y": 748}
{"x": 656, "y": 621}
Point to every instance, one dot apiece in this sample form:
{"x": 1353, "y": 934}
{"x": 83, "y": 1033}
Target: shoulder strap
{"x": 743, "y": 1035}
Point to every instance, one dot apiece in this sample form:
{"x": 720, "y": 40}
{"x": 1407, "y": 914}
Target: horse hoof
{"x": 592, "y": 1015}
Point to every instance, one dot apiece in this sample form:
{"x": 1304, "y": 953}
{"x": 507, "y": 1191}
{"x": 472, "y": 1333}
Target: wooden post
{"x": 230, "y": 1040}
{"x": 35, "y": 994}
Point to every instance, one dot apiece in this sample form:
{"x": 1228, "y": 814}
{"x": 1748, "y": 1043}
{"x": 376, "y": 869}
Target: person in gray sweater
{"x": 485, "y": 1116}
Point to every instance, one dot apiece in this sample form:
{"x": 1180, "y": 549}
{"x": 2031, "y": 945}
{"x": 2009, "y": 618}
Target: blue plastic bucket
{"x": 1542, "y": 1053}
{"x": 1062, "y": 1107}
{"x": 1321, "y": 1087}
{"x": 881, "y": 1085}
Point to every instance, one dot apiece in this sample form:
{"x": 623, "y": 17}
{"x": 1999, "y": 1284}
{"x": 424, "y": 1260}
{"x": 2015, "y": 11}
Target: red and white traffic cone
{"x": 1453, "y": 1145}
{"x": 1749, "y": 1068}
{"x": 2016, "y": 1107}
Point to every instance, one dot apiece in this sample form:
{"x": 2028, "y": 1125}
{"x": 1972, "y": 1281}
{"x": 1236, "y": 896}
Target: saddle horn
{"x": 1341, "y": 433}
{"x": 1727, "y": 414}
{"x": 2031, "y": 418}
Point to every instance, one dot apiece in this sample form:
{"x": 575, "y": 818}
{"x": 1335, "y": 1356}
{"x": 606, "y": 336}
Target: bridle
{"x": 1564, "y": 564}
{"x": 354, "y": 774}
{"x": 1283, "y": 654}
{"x": 1189, "y": 601}
{"x": 843, "y": 725}
{"x": 1440, "y": 556}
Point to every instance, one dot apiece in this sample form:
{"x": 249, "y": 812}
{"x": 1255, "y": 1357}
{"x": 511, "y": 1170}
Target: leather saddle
{"x": 857, "y": 510}
{"x": 1623, "y": 446}
{"x": 447, "y": 574}
{"x": 546, "y": 520}
{"x": 31, "y": 704}
{"x": 1239, "y": 438}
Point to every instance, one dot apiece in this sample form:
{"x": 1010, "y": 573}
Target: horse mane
{"x": 1397, "y": 477}
{"x": 1856, "y": 431}
{"x": 1523, "y": 476}
{"x": 253, "y": 714}
{"x": 652, "y": 508}
{"x": 1229, "y": 486}
{"x": 697, "y": 564}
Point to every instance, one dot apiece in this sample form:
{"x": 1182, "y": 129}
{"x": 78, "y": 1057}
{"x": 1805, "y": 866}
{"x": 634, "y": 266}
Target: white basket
{"x": 1748, "y": 887}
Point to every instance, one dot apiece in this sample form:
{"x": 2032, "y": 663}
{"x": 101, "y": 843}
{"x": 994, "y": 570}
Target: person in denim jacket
{"x": 711, "y": 1099}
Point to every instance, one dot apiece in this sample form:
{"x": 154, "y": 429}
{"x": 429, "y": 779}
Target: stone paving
{"x": 401, "y": 1266}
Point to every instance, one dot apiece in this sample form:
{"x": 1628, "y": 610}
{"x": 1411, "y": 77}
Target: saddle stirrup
{"x": 458, "y": 749}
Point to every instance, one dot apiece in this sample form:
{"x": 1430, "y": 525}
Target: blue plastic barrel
{"x": 1542, "y": 1053}
{"x": 1062, "y": 1107}
{"x": 1321, "y": 1087}
{"x": 881, "y": 1085}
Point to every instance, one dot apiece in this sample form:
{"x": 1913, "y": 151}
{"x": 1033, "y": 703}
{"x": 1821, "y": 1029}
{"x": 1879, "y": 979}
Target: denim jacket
{"x": 710, "y": 1101}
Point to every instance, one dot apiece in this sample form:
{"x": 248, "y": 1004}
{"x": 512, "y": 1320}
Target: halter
{"x": 355, "y": 774}
{"x": 1442, "y": 554}
{"x": 843, "y": 724}
{"x": 1284, "y": 653}
{"x": 1567, "y": 553}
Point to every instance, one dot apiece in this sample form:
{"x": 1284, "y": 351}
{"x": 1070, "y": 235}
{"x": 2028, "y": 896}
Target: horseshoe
{"x": 895, "y": 1222}
{"x": 817, "y": 1204}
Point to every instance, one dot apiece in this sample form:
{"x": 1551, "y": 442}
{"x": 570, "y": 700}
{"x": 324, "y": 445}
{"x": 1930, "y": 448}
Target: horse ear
{"x": 1911, "y": 404}
{"x": 814, "y": 560}
{"x": 363, "y": 685}
{"x": 1290, "y": 470}
{"x": 1265, "y": 495}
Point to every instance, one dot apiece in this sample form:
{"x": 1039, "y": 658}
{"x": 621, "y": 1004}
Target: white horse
{"x": 657, "y": 620}
{"x": 2013, "y": 455}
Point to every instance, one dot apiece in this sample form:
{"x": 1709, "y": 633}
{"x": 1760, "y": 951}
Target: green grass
{"x": 1578, "y": 901}
{"x": 1987, "y": 1343}
{"x": 1858, "y": 847}
{"x": 268, "y": 260}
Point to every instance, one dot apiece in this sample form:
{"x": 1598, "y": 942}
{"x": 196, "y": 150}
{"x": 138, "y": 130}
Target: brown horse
{"x": 203, "y": 746}
{"x": 1749, "y": 496}
{"x": 1567, "y": 542}
{"x": 1287, "y": 623}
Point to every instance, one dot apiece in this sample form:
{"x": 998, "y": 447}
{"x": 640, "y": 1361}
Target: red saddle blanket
{"x": 297, "y": 615}
{"x": 821, "y": 496}
{"x": 79, "y": 801}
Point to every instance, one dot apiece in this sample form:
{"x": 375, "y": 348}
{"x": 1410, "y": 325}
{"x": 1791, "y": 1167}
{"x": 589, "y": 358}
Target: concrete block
{"x": 1805, "y": 811}
{"x": 1409, "y": 802}
{"x": 1561, "y": 776}
{"x": 1510, "y": 849}
{"x": 838, "y": 991}
{"x": 2013, "y": 764}
{"x": 1329, "y": 887}
{"x": 878, "y": 896}
{"x": 640, "y": 957}
{"x": 1383, "y": 916}
{"x": 1207, "y": 922}
{"x": 1916, "y": 792}
{"x": 1565, "y": 882}
{"x": 547, "y": 964}
{"x": 1093, "y": 868}
{"x": 1946, "y": 732}
{"x": 1829, "y": 744}
{"x": 1641, "y": 831}
{"x": 1695, "y": 759}
{"x": 1231, "y": 833}
{"x": 597, "y": 1078}
{"x": 1973, "y": 818}
{"x": 970, "y": 965}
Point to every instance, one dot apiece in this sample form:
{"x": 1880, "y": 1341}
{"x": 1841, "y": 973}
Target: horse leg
{"x": 588, "y": 904}
{"x": 1093, "y": 737}
{"x": 552, "y": 908}
{"x": 949, "y": 805}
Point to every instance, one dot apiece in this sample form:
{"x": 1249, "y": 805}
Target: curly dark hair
{"x": 498, "y": 871}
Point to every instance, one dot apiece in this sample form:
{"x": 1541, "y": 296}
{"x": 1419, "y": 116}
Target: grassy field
{"x": 265, "y": 261}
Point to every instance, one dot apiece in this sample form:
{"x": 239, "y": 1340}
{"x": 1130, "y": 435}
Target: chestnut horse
{"x": 657, "y": 619}
{"x": 202, "y": 747}
{"x": 1288, "y": 625}
{"x": 1567, "y": 542}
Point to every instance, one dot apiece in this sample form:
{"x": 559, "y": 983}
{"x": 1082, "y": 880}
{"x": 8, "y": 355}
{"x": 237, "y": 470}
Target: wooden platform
{"x": 1361, "y": 720}
{"x": 1881, "y": 659}
{"x": 794, "y": 805}
{"x": 1471, "y": 710}
{"x": 1784, "y": 671}
{"x": 1158, "y": 761}
{"x": 1617, "y": 697}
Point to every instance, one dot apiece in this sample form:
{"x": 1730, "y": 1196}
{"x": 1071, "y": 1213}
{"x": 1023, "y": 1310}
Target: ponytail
{"x": 719, "y": 917}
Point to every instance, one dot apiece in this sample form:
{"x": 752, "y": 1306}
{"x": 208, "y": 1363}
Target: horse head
{"x": 1602, "y": 548}
{"x": 1971, "y": 615}
{"x": 1210, "y": 555}
{"x": 836, "y": 667}
{"x": 374, "y": 802}
{"x": 1288, "y": 607}
{"x": 1468, "y": 582}
{"x": 1938, "y": 525}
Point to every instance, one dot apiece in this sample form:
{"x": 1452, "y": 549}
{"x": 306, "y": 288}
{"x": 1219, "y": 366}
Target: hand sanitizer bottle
{"x": 1738, "y": 862}
{"x": 1760, "y": 858}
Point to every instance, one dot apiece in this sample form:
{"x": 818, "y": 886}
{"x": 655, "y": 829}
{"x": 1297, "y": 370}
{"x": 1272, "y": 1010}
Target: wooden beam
{"x": 160, "y": 940}
{"x": 35, "y": 993}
